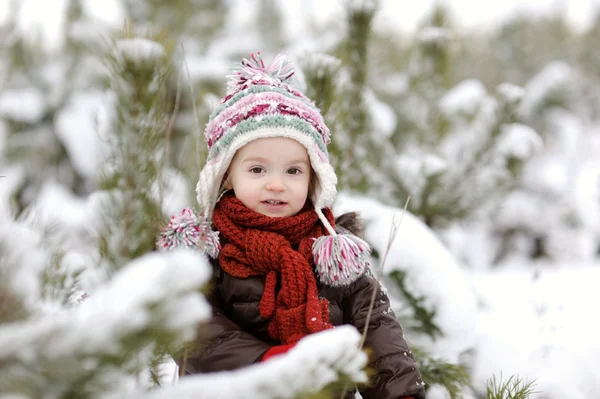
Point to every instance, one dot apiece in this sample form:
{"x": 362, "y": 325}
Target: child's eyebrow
{"x": 265, "y": 160}
{"x": 255, "y": 159}
{"x": 299, "y": 161}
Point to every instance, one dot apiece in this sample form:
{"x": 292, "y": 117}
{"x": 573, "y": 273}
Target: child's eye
{"x": 294, "y": 171}
{"x": 256, "y": 169}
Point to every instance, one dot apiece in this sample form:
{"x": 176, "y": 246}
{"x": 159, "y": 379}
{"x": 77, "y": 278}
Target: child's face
{"x": 271, "y": 176}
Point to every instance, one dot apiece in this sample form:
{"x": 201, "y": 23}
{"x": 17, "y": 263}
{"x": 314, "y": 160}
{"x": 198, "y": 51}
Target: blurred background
{"x": 485, "y": 114}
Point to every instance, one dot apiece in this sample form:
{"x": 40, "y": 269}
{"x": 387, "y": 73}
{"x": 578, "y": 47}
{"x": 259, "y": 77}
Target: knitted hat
{"x": 261, "y": 103}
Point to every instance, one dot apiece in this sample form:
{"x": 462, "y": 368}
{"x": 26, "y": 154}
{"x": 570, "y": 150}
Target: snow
{"x": 43, "y": 23}
{"x": 109, "y": 12}
{"x": 536, "y": 322}
{"x": 79, "y": 126}
{"x": 541, "y": 329}
{"x": 159, "y": 290}
{"x": 464, "y": 98}
{"x": 382, "y": 115}
{"x": 139, "y": 50}
{"x": 176, "y": 192}
{"x": 363, "y": 6}
{"x": 519, "y": 141}
{"x": 59, "y": 206}
{"x": 323, "y": 355}
{"x": 22, "y": 257}
{"x": 22, "y": 105}
{"x": 434, "y": 36}
{"x": 431, "y": 271}
{"x": 551, "y": 81}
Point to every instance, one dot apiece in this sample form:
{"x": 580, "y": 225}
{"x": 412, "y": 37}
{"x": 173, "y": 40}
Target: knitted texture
{"x": 260, "y": 96}
{"x": 280, "y": 249}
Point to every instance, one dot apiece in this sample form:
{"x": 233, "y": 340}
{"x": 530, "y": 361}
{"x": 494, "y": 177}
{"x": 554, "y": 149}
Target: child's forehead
{"x": 273, "y": 147}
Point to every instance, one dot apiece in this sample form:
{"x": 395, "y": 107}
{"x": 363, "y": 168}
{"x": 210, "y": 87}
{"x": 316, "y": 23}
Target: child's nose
{"x": 275, "y": 183}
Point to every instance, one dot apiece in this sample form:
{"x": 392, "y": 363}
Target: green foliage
{"x": 513, "y": 388}
{"x": 453, "y": 377}
{"x": 423, "y": 318}
{"x": 337, "y": 84}
{"x": 191, "y": 18}
{"x": 139, "y": 64}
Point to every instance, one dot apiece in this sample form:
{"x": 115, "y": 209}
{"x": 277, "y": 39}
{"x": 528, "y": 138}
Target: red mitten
{"x": 276, "y": 350}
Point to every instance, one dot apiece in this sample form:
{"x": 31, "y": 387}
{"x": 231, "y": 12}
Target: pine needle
{"x": 513, "y": 388}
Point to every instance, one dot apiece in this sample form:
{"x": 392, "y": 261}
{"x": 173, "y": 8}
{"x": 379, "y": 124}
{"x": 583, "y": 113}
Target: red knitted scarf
{"x": 257, "y": 245}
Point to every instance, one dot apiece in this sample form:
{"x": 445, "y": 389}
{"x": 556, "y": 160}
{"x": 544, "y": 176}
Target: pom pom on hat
{"x": 188, "y": 230}
{"x": 340, "y": 259}
{"x": 254, "y": 68}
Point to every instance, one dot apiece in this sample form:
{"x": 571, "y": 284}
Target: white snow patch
{"x": 43, "y": 23}
{"x": 538, "y": 327}
{"x": 431, "y": 270}
{"x": 518, "y": 141}
{"x": 382, "y": 115}
{"x": 551, "y": 81}
{"x": 159, "y": 290}
{"x": 464, "y": 98}
{"x": 323, "y": 357}
{"x": 139, "y": 50}
{"x": 109, "y": 12}
{"x": 79, "y": 126}
{"x": 22, "y": 105}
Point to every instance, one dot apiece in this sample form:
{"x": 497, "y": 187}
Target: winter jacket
{"x": 236, "y": 336}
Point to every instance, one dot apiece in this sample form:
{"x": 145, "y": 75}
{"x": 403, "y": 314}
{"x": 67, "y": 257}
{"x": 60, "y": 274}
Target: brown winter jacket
{"x": 236, "y": 336}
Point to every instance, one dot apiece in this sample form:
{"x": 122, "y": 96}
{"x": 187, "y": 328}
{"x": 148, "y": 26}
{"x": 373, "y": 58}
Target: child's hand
{"x": 276, "y": 350}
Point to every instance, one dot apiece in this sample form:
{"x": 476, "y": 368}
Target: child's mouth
{"x": 274, "y": 202}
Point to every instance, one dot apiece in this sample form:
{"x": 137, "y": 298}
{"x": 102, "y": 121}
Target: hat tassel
{"x": 188, "y": 230}
{"x": 340, "y": 259}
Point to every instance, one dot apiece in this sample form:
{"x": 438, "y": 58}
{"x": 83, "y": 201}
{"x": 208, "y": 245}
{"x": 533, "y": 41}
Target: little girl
{"x": 282, "y": 268}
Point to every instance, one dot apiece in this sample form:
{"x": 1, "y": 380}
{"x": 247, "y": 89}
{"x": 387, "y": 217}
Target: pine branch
{"x": 513, "y": 388}
{"x": 89, "y": 349}
{"x": 423, "y": 316}
{"x": 453, "y": 377}
{"x": 140, "y": 65}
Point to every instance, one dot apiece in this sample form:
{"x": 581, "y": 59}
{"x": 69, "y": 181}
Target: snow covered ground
{"x": 534, "y": 320}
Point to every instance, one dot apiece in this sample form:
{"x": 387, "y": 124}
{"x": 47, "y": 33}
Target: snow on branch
{"x": 22, "y": 260}
{"x": 362, "y": 6}
{"x": 140, "y": 50}
{"x": 325, "y": 357}
{"x": 155, "y": 295}
{"x": 519, "y": 141}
